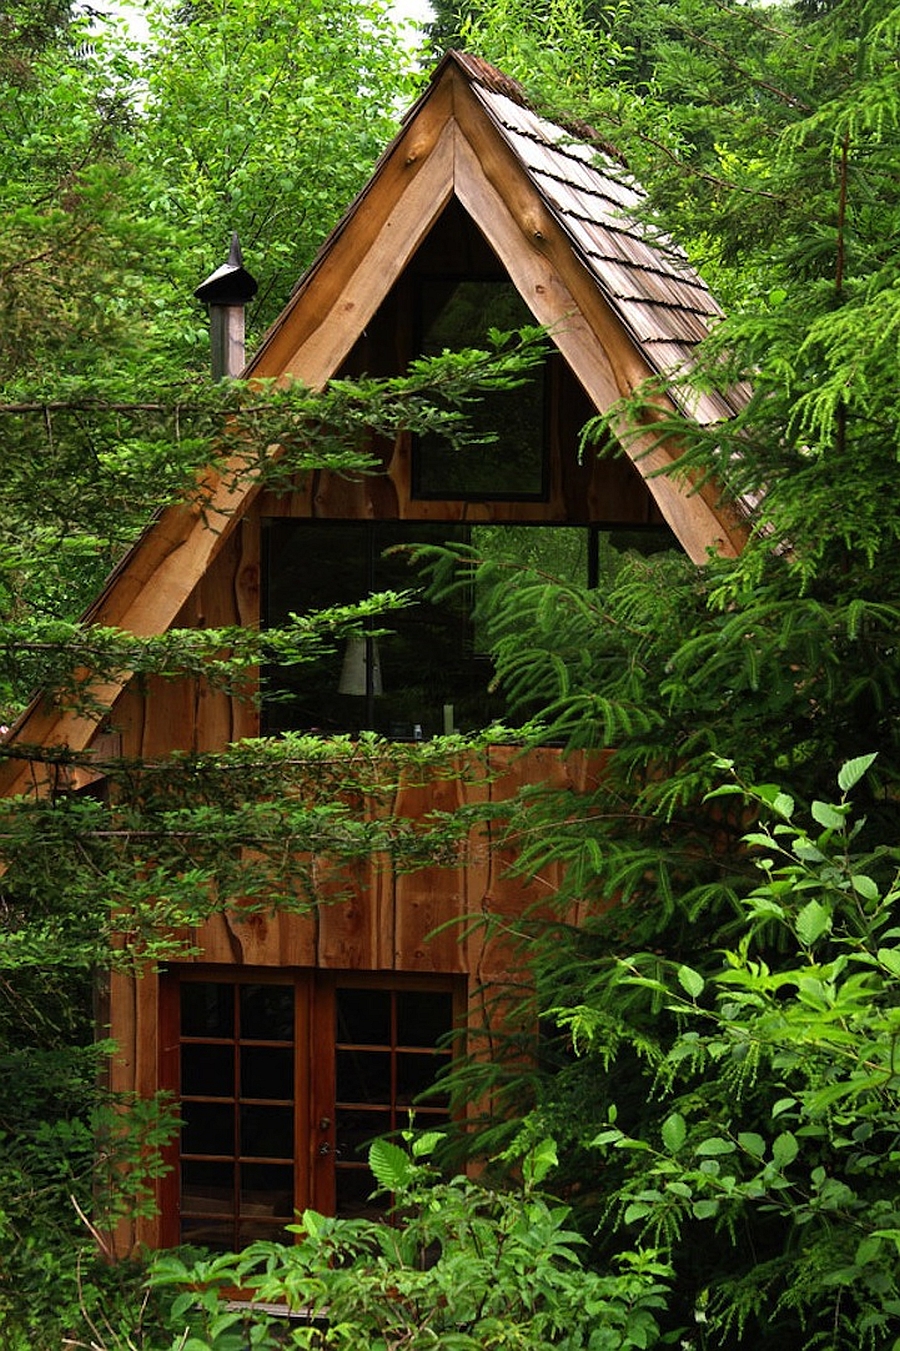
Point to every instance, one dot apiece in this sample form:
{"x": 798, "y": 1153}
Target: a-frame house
{"x": 288, "y": 1041}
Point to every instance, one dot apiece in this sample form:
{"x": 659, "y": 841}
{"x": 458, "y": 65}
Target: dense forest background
{"x": 717, "y": 1076}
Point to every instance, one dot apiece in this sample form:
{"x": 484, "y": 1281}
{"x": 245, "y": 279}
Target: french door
{"x": 282, "y": 1079}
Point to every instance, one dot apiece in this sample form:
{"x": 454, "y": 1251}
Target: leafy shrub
{"x": 460, "y": 1267}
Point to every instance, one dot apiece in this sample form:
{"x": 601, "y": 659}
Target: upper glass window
{"x": 510, "y": 463}
{"x": 427, "y": 668}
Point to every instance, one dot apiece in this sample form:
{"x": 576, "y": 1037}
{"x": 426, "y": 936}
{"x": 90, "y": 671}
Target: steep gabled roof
{"x": 621, "y": 305}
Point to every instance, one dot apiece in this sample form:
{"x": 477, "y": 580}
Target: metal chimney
{"x": 226, "y": 292}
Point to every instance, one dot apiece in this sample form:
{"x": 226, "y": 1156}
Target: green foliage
{"x": 263, "y": 118}
{"x": 57, "y": 545}
{"x": 460, "y": 1267}
{"x": 64, "y": 1157}
{"x": 771, "y": 1086}
{"x": 743, "y": 1104}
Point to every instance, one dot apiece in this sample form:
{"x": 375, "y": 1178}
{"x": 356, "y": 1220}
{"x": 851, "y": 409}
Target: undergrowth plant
{"x": 457, "y": 1266}
{"x": 769, "y": 1139}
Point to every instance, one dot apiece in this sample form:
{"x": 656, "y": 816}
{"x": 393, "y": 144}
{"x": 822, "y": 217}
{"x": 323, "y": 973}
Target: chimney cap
{"x": 230, "y": 284}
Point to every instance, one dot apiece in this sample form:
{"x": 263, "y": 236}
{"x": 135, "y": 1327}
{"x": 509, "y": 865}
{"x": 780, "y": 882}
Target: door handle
{"x": 324, "y": 1147}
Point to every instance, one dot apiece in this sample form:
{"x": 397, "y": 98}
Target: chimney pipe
{"x": 226, "y": 292}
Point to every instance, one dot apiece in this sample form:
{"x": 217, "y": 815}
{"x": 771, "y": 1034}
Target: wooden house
{"x": 288, "y": 1041}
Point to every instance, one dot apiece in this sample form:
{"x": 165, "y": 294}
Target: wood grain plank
{"x": 317, "y": 352}
{"x": 430, "y": 899}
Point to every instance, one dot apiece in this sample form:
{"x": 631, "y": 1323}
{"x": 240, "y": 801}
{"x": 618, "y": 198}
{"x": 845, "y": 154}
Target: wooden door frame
{"x": 314, "y": 1064}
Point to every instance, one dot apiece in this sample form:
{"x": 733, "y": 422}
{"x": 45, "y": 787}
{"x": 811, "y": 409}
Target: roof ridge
{"x": 497, "y": 82}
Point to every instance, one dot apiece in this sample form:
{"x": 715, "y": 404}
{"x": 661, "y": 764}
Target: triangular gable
{"x": 619, "y": 308}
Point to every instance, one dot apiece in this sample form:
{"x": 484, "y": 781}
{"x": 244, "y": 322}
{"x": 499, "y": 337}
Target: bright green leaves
{"x": 462, "y": 1268}
{"x": 714, "y": 1147}
{"x": 691, "y": 981}
{"x": 774, "y": 1101}
{"x": 812, "y": 922}
{"x": 391, "y": 1166}
{"x": 784, "y": 1150}
{"x": 832, "y": 818}
{"x": 267, "y": 119}
{"x": 674, "y": 1132}
{"x": 853, "y": 770}
{"x": 753, "y": 1143}
{"x": 539, "y": 1162}
{"x": 890, "y": 960}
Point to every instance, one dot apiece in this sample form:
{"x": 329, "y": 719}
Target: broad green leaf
{"x": 759, "y": 837}
{"x": 423, "y": 1146}
{"x": 827, "y": 815}
{"x": 539, "y": 1161}
{"x": 610, "y": 1137}
{"x": 716, "y": 1144}
{"x": 784, "y": 1150}
{"x": 705, "y": 1210}
{"x": 390, "y": 1164}
{"x": 851, "y": 771}
{"x": 754, "y": 1144}
{"x": 865, "y": 886}
{"x": 890, "y": 958}
{"x": 691, "y": 981}
{"x": 812, "y": 922}
{"x": 674, "y": 1132}
{"x": 867, "y": 1250}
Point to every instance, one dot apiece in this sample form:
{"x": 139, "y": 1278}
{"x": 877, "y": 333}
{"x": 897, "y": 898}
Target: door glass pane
{"x": 353, "y": 1190}
{"x": 357, "y": 1129}
{"x": 267, "y": 1012}
{"x": 364, "y": 1017}
{"x": 207, "y": 1009}
{"x": 207, "y": 1071}
{"x": 208, "y": 1128}
{"x": 267, "y": 1189}
{"x": 207, "y": 1188}
{"x": 364, "y": 1076}
{"x": 267, "y": 1132}
{"x": 217, "y": 1235}
{"x": 267, "y": 1072}
{"x": 254, "y": 1231}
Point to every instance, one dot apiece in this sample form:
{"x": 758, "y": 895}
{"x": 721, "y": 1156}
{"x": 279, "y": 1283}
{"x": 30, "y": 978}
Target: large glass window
{"x": 428, "y": 671}
{"x": 509, "y": 460}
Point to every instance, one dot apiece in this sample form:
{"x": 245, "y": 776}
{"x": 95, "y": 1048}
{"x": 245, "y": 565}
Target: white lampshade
{"x": 353, "y": 670}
